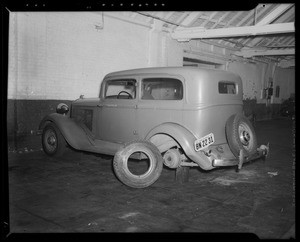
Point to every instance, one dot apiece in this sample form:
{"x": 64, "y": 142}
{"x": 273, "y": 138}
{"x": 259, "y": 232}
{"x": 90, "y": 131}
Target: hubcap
{"x": 50, "y": 140}
{"x": 245, "y": 136}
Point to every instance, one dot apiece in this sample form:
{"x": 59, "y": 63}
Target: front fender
{"x": 73, "y": 133}
{"x": 185, "y": 139}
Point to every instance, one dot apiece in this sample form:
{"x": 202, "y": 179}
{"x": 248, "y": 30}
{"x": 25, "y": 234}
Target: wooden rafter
{"x": 257, "y": 52}
{"x": 209, "y": 19}
{"x": 190, "y": 19}
{"x": 278, "y": 11}
{"x": 220, "y": 19}
{"x": 248, "y": 20}
{"x": 202, "y": 33}
{"x": 269, "y": 18}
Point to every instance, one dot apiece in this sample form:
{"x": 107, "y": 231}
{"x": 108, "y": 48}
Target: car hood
{"x": 86, "y": 102}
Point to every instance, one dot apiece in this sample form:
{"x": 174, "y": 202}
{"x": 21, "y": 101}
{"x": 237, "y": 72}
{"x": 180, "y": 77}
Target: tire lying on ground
{"x": 53, "y": 142}
{"x": 138, "y": 152}
{"x": 240, "y": 134}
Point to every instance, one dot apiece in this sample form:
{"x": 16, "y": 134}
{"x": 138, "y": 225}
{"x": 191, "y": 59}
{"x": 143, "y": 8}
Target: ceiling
{"x": 265, "y": 32}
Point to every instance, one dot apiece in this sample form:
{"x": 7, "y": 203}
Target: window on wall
{"x": 277, "y": 91}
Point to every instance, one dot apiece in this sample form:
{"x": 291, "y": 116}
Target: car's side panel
{"x": 205, "y": 119}
{"x": 153, "y": 113}
{"x": 186, "y": 140}
{"x": 75, "y": 135}
{"x": 78, "y": 135}
{"x": 117, "y": 116}
{"x": 117, "y": 120}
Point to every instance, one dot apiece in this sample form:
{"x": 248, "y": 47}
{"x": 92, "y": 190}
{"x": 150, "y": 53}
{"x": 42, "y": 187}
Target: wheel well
{"x": 43, "y": 124}
{"x": 164, "y": 142}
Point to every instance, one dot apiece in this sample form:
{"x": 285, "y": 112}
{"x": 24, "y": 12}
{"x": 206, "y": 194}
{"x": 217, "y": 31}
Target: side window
{"x": 120, "y": 89}
{"x": 226, "y": 87}
{"x": 162, "y": 89}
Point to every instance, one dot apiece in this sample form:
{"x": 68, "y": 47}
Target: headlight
{"x": 62, "y": 108}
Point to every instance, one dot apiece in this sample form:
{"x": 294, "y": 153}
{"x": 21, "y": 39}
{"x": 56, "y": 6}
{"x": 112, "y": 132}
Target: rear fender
{"x": 185, "y": 139}
{"x": 73, "y": 132}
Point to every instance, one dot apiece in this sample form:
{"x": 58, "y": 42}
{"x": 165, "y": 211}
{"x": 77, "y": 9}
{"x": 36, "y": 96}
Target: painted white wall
{"x": 255, "y": 77}
{"x": 250, "y": 75}
{"x": 285, "y": 79}
{"x": 61, "y": 55}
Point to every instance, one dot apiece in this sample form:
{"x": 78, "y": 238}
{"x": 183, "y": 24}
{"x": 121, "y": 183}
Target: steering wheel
{"x": 129, "y": 95}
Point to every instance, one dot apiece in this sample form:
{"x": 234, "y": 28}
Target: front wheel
{"x": 54, "y": 144}
{"x": 138, "y": 164}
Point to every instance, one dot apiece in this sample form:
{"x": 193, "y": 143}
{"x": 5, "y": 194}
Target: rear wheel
{"x": 138, "y": 164}
{"x": 54, "y": 144}
{"x": 240, "y": 134}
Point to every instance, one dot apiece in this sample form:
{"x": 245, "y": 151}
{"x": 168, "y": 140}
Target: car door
{"x": 161, "y": 101}
{"x": 117, "y": 119}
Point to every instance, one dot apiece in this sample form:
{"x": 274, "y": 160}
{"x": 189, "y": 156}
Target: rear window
{"x": 162, "y": 89}
{"x": 226, "y": 87}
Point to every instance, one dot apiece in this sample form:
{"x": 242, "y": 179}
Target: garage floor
{"x": 80, "y": 193}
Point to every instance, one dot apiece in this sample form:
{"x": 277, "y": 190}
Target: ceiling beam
{"x": 247, "y": 53}
{"x": 259, "y": 11}
{"x": 268, "y": 19}
{"x": 185, "y": 34}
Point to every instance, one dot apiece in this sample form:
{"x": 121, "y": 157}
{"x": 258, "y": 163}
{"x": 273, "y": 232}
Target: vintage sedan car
{"x": 176, "y": 116}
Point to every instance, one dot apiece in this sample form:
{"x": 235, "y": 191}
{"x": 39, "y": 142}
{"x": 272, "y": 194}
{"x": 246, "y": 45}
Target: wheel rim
{"x": 245, "y": 135}
{"x": 150, "y": 168}
{"x": 50, "y": 141}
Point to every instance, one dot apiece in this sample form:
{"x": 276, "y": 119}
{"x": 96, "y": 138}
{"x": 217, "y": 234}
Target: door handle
{"x": 109, "y": 105}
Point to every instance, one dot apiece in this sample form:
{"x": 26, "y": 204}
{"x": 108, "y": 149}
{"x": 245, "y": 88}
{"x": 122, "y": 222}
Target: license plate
{"x": 204, "y": 142}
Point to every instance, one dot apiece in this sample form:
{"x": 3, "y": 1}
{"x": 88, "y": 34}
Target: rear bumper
{"x": 261, "y": 152}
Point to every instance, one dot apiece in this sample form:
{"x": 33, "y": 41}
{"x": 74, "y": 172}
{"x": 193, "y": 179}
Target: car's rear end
{"x": 214, "y": 114}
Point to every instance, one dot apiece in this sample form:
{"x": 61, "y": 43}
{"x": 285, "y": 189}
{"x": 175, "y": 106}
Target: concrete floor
{"x": 80, "y": 193}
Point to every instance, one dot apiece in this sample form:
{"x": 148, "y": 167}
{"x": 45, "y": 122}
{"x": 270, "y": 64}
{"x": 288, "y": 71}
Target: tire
{"x": 125, "y": 173}
{"x": 54, "y": 144}
{"x": 240, "y": 134}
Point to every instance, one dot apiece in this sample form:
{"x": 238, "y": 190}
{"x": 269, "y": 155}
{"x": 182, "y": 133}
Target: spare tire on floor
{"x": 138, "y": 164}
{"x": 240, "y": 134}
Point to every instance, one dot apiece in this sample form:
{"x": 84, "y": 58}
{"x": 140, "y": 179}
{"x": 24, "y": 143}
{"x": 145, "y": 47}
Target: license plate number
{"x": 204, "y": 142}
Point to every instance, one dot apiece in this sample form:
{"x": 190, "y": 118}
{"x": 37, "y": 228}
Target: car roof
{"x": 182, "y": 71}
